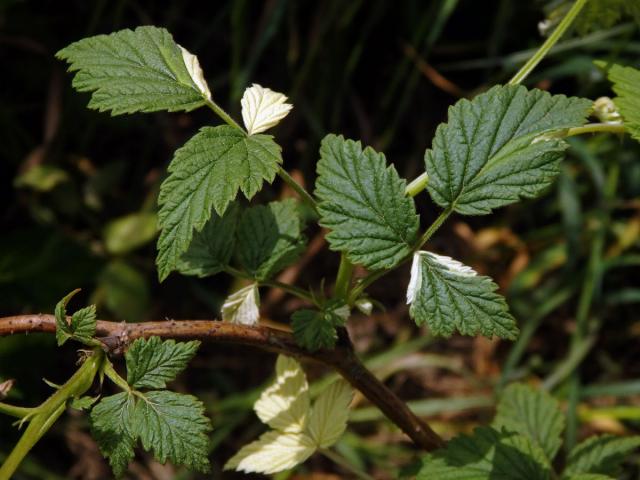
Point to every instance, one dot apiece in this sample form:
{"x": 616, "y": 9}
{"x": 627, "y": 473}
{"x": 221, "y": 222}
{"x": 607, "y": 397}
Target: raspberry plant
{"x": 504, "y": 145}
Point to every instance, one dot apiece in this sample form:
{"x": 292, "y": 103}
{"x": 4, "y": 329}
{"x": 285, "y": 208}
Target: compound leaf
{"x": 111, "y": 422}
{"x": 174, "y": 427}
{"x": 211, "y": 249}
{"x": 269, "y": 238}
{"x": 152, "y": 363}
{"x": 499, "y": 147}
{"x": 364, "y": 205}
{"x": 448, "y": 295}
{"x": 487, "y": 454}
{"x": 205, "y": 174}
{"x": 532, "y": 413}
{"x": 284, "y": 405}
{"x": 328, "y": 419}
{"x": 601, "y": 454}
{"x": 141, "y": 70}
{"x": 626, "y": 84}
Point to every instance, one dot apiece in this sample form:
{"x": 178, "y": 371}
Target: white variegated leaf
{"x": 285, "y": 404}
{"x": 273, "y": 452}
{"x": 242, "y": 307}
{"x": 449, "y": 296}
{"x": 328, "y": 419}
{"x": 448, "y": 263}
{"x": 262, "y": 108}
{"x": 195, "y": 71}
{"x": 365, "y": 305}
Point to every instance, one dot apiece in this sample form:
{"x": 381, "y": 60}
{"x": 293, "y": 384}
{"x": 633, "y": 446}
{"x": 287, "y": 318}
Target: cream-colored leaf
{"x": 285, "y": 404}
{"x": 273, "y": 452}
{"x": 328, "y": 419}
{"x": 194, "y": 69}
{"x": 262, "y": 108}
{"x": 242, "y": 306}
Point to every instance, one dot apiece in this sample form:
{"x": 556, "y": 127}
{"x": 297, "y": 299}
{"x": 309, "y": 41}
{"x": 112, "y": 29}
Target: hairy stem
{"x": 226, "y": 118}
{"x": 433, "y": 228}
{"x": 562, "y": 27}
{"x": 116, "y": 336}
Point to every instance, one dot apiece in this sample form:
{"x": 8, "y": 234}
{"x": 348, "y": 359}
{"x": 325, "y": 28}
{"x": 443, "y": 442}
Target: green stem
{"x": 115, "y": 377}
{"x": 568, "y": 19}
{"x": 282, "y": 173}
{"x": 299, "y": 189}
{"x": 595, "y": 128}
{"x": 340, "y": 460}
{"x": 417, "y": 185}
{"x": 434, "y": 227}
{"x": 364, "y": 284}
{"x": 343, "y": 280}
{"x": 373, "y": 276}
{"x": 47, "y": 413}
{"x": 13, "y": 411}
{"x": 224, "y": 115}
{"x": 292, "y": 289}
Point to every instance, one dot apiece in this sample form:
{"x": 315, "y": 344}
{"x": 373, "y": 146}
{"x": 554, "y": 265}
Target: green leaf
{"x": 211, "y": 249}
{"x": 81, "y": 326}
{"x": 626, "y": 84}
{"x": 364, "y": 205}
{"x": 205, "y": 174}
{"x": 135, "y": 71}
{"x": 175, "y": 428}
{"x": 41, "y": 178}
{"x": 83, "y": 403}
{"x": 111, "y": 421}
{"x": 127, "y": 233}
{"x": 603, "y": 14}
{"x": 152, "y": 363}
{"x": 498, "y": 148}
{"x": 532, "y": 413}
{"x": 601, "y": 454}
{"x": 447, "y": 295}
{"x": 124, "y": 290}
{"x": 486, "y": 455}
{"x": 170, "y": 424}
{"x": 269, "y": 238}
{"x": 314, "y": 330}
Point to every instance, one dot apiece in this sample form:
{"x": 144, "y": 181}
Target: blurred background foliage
{"x": 78, "y": 191}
